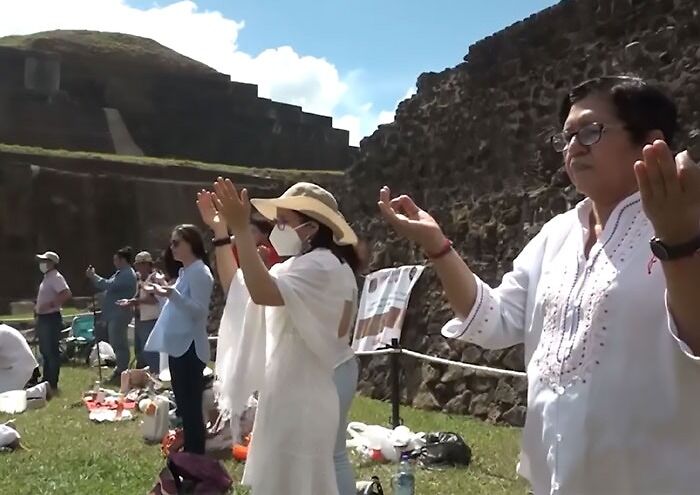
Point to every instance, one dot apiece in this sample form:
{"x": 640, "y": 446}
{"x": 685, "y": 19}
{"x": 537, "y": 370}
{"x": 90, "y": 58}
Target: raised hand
{"x": 163, "y": 290}
{"x": 410, "y": 221}
{"x": 670, "y": 192}
{"x": 234, "y": 206}
{"x": 158, "y": 290}
{"x": 210, "y": 216}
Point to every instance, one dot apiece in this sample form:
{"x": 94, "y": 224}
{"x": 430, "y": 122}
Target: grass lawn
{"x": 28, "y": 317}
{"x": 273, "y": 173}
{"x": 67, "y": 454}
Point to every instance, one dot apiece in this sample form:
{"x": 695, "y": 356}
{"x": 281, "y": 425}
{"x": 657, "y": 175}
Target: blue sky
{"x": 382, "y": 45}
{"x": 353, "y": 60}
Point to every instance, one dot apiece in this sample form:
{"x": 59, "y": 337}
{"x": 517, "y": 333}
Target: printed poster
{"x": 383, "y": 306}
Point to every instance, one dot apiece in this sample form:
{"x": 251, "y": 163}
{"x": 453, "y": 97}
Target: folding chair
{"x": 81, "y": 337}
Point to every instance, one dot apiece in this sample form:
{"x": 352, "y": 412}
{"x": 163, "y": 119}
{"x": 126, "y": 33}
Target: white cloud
{"x": 281, "y": 73}
{"x": 386, "y": 117}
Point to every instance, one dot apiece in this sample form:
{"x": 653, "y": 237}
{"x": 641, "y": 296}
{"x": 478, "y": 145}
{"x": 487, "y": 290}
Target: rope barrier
{"x": 475, "y": 367}
{"x": 486, "y": 370}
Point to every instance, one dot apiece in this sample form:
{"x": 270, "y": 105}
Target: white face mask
{"x": 285, "y": 240}
{"x": 43, "y": 267}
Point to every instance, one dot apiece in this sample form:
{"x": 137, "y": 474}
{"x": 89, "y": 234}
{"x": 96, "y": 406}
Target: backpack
{"x": 192, "y": 474}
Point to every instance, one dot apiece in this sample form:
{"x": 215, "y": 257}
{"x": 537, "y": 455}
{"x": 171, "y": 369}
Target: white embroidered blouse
{"x": 613, "y": 393}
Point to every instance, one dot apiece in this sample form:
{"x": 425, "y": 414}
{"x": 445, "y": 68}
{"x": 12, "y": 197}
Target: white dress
{"x": 613, "y": 394}
{"x": 289, "y": 353}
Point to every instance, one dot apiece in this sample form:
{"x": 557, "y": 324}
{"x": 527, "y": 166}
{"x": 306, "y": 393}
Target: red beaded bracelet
{"x": 443, "y": 252}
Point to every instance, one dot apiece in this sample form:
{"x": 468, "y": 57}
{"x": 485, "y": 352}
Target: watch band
{"x": 221, "y": 242}
{"x": 667, "y": 252}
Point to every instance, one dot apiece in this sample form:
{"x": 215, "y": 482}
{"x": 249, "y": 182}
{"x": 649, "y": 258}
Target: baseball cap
{"x": 48, "y": 256}
{"x": 143, "y": 257}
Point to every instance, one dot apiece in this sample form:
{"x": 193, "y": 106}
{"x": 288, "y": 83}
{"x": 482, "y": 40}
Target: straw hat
{"x": 313, "y": 201}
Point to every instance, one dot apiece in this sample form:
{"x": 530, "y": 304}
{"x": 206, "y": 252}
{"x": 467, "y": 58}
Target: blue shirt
{"x": 121, "y": 285}
{"x": 183, "y": 319}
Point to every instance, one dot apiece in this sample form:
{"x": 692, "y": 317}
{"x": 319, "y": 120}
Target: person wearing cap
{"x": 52, "y": 295}
{"x": 147, "y": 309}
{"x": 302, "y": 311}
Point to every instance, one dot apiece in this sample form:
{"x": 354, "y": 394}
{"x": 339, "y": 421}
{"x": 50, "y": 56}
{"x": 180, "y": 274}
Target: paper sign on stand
{"x": 383, "y": 306}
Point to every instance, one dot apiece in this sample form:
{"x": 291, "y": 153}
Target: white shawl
{"x": 241, "y": 373}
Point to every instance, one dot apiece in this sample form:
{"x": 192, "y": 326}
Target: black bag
{"x": 373, "y": 487}
{"x": 444, "y": 449}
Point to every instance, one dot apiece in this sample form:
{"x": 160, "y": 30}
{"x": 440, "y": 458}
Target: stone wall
{"x": 86, "y": 209}
{"x": 471, "y": 146}
{"x": 172, "y": 106}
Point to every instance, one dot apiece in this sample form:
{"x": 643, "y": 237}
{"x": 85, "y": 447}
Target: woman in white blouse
{"x": 285, "y": 333}
{"x": 606, "y": 299}
{"x": 181, "y": 331}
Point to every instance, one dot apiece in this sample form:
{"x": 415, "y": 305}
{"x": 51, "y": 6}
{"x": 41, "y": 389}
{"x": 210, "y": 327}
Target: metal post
{"x": 395, "y": 385}
{"x": 96, "y": 334}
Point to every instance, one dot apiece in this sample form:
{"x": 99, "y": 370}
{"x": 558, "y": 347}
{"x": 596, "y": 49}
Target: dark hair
{"x": 171, "y": 266}
{"x": 192, "y": 236}
{"x": 263, "y": 226}
{"x": 126, "y": 253}
{"x": 324, "y": 239}
{"x": 642, "y": 107}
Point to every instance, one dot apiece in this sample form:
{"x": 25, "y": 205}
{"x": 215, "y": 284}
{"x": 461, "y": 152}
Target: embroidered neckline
{"x": 574, "y": 302}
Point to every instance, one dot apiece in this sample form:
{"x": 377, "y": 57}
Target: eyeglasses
{"x": 587, "y": 135}
{"x": 282, "y": 225}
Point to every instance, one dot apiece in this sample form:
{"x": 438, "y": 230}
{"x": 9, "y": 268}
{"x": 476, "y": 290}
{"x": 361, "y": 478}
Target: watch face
{"x": 658, "y": 249}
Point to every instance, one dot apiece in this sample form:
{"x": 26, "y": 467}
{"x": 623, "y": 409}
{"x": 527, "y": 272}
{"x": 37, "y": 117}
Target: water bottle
{"x": 404, "y": 481}
{"x": 99, "y": 393}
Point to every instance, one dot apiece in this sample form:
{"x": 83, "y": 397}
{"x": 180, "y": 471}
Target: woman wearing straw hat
{"x": 285, "y": 333}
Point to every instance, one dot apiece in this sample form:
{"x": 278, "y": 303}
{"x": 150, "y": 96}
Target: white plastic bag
{"x": 372, "y": 440}
{"x": 8, "y": 436}
{"x": 106, "y": 354}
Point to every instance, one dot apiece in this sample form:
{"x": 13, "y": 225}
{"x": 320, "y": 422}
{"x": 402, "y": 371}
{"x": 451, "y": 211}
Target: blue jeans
{"x": 142, "y": 329}
{"x": 48, "y": 331}
{"x": 345, "y": 378}
{"x": 117, "y": 334}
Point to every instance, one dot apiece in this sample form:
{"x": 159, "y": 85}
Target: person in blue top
{"x": 181, "y": 330}
{"x": 121, "y": 285}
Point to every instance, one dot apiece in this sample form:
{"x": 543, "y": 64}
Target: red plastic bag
{"x": 172, "y": 442}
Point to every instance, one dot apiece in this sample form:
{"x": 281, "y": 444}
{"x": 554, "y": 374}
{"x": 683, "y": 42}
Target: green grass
{"x": 25, "y": 317}
{"x": 67, "y": 454}
{"x": 123, "y": 47}
{"x": 272, "y": 173}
